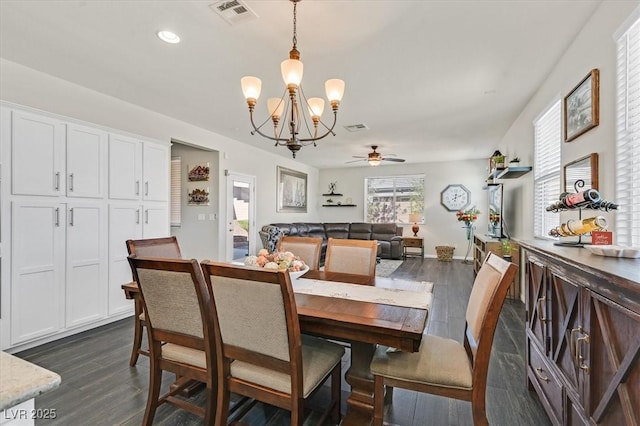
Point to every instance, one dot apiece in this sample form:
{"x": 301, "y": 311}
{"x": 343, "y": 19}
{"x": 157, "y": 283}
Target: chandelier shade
{"x": 294, "y": 113}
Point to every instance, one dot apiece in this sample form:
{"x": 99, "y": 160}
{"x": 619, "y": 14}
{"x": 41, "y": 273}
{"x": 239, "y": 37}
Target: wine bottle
{"x": 579, "y": 227}
{"x": 605, "y": 205}
{"x": 575, "y": 200}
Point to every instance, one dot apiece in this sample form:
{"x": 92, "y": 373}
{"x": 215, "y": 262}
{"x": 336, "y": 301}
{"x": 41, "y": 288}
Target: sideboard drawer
{"x": 546, "y": 383}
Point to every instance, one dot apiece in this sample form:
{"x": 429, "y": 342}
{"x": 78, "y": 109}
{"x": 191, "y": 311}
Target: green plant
{"x": 244, "y": 224}
{"x": 506, "y": 247}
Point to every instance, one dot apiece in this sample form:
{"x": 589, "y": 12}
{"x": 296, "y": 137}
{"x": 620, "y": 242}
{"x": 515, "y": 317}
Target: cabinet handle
{"x": 57, "y": 181}
{"x": 579, "y": 358}
{"x": 540, "y": 306}
{"x": 137, "y": 187}
{"x": 137, "y": 216}
{"x": 70, "y": 181}
{"x": 71, "y": 216}
{"x": 146, "y": 216}
{"x": 56, "y": 216}
{"x": 541, "y": 376}
{"x": 572, "y": 342}
{"x": 146, "y": 188}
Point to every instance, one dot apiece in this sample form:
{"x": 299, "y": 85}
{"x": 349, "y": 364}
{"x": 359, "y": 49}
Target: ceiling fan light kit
{"x": 293, "y": 103}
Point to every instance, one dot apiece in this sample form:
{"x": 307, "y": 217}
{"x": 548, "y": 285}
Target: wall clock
{"x": 455, "y": 197}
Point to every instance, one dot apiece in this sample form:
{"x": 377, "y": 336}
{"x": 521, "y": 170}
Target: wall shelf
{"x": 332, "y": 194}
{"x": 339, "y": 205}
{"x": 509, "y": 172}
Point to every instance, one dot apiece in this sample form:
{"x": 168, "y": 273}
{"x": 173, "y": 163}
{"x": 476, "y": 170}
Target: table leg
{"x": 360, "y": 402}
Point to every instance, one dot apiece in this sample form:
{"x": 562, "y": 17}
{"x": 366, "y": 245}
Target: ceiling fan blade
{"x": 355, "y": 161}
{"x": 358, "y": 156}
{"x": 391, "y": 155}
{"x": 397, "y": 160}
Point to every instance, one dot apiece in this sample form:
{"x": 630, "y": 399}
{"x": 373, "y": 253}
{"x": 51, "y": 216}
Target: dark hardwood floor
{"x": 99, "y": 388}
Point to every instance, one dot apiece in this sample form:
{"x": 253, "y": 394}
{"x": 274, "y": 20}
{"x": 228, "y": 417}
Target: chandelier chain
{"x": 295, "y": 20}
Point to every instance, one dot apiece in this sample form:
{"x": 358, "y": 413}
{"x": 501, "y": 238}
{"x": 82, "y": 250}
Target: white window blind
{"x": 628, "y": 136}
{"x": 546, "y": 171}
{"x": 391, "y": 199}
{"x": 176, "y": 191}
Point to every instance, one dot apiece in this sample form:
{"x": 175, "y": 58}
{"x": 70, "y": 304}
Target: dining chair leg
{"x": 137, "y": 334}
{"x": 222, "y": 409}
{"x": 297, "y": 412}
{"x": 336, "y": 385}
{"x": 155, "y": 381}
{"x": 378, "y": 400}
{"x": 479, "y": 413}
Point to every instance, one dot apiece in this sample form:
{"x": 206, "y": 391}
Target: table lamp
{"x": 415, "y": 218}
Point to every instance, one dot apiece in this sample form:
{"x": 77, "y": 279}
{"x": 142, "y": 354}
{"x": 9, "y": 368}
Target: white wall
{"x": 594, "y": 47}
{"x": 441, "y": 226}
{"x": 25, "y": 86}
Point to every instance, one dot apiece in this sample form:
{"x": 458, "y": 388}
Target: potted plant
{"x": 498, "y": 160}
{"x": 329, "y": 201}
{"x": 506, "y": 248}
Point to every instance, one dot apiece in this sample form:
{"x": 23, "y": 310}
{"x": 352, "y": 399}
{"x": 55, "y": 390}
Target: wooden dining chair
{"x": 261, "y": 352}
{"x": 444, "y": 366}
{"x": 307, "y": 248}
{"x": 351, "y": 256}
{"x": 180, "y": 329}
{"x": 166, "y": 247}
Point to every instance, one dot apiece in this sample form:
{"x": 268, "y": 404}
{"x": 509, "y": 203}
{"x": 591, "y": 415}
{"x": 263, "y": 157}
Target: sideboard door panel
{"x": 537, "y": 301}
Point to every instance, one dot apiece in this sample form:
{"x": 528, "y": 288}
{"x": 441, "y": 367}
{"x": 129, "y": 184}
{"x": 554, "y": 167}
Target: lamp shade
{"x": 292, "y": 70}
{"x": 316, "y": 106}
{"x": 251, "y": 87}
{"x": 374, "y": 163}
{"x": 335, "y": 89}
{"x": 415, "y": 217}
{"x": 275, "y": 106}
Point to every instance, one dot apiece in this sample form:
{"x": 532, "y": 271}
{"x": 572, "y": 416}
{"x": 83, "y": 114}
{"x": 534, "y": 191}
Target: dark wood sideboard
{"x": 583, "y": 334}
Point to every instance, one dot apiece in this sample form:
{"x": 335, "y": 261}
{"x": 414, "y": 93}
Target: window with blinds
{"x": 628, "y": 133}
{"x": 391, "y": 199}
{"x": 546, "y": 177}
{"x": 176, "y": 192}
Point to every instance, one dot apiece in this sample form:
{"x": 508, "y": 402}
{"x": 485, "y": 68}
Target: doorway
{"x": 241, "y": 232}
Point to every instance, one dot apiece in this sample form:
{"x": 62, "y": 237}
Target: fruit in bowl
{"x": 278, "y": 260}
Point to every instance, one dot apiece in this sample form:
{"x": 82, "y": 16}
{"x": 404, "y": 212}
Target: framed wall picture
{"x": 581, "y": 106}
{"x": 198, "y": 197}
{"x": 291, "y": 190}
{"x": 198, "y": 172}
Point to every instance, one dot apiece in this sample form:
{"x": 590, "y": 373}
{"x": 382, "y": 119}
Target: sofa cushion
{"x": 337, "y": 230}
{"x": 383, "y": 231}
{"x": 360, "y": 231}
{"x": 316, "y": 230}
{"x": 290, "y": 229}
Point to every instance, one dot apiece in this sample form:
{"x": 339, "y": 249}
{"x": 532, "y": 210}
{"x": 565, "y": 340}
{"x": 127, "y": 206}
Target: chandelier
{"x": 293, "y": 101}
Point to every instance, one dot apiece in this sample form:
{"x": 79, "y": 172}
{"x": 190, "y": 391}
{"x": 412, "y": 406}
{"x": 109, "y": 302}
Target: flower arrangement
{"x": 468, "y": 216}
{"x": 276, "y": 260}
{"x": 494, "y": 217}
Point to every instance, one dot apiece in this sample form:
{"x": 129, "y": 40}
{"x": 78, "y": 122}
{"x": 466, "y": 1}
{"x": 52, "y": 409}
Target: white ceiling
{"x": 433, "y": 80}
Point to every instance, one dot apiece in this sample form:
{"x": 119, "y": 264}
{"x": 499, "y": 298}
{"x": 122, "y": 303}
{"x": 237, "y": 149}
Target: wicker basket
{"x": 445, "y": 253}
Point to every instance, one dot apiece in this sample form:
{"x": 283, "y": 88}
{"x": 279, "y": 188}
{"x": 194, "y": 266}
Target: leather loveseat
{"x": 389, "y": 235}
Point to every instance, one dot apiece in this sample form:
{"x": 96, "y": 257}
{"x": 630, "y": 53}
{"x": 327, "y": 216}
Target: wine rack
{"x": 567, "y": 229}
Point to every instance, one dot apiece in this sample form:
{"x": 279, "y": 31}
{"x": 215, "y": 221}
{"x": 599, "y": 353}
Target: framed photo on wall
{"x": 581, "y": 106}
{"x": 291, "y": 190}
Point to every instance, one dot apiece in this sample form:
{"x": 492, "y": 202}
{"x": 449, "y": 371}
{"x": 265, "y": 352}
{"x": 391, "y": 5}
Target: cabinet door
{"x": 566, "y": 327}
{"x": 156, "y": 168}
{"x": 125, "y": 223}
{"x": 86, "y": 284}
{"x": 155, "y": 221}
{"x": 86, "y": 161}
{"x": 125, "y": 168}
{"x": 612, "y": 355}
{"x": 537, "y": 303}
{"x": 37, "y": 269}
{"x": 37, "y": 145}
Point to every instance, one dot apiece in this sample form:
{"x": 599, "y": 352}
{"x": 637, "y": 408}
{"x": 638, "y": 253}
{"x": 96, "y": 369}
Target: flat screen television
{"x": 495, "y": 214}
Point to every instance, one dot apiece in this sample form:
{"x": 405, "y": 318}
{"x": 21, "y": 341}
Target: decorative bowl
{"x": 298, "y": 274}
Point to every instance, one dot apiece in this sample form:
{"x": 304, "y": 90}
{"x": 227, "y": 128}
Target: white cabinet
{"x": 86, "y": 161}
{"x": 138, "y": 170}
{"x": 86, "y": 264}
{"x": 38, "y": 266}
{"x": 37, "y": 162}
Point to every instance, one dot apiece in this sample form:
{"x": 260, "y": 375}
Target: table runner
{"x": 420, "y": 299}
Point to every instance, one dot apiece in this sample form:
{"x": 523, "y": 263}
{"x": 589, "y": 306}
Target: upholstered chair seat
{"x": 440, "y": 361}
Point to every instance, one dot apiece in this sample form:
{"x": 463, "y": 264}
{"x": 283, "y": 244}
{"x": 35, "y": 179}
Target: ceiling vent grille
{"x": 234, "y": 11}
{"x": 357, "y": 127}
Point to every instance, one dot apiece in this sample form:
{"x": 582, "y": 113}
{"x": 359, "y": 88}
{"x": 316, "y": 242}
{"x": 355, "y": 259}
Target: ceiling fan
{"x": 374, "y": 158}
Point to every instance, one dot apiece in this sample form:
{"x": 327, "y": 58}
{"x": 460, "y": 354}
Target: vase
{"x": 469, "y": 228}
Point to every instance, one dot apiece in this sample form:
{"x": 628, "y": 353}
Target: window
{"x": 546, "y": 176}
{"x": 391, "y": 199}
{"x": 176, "y": 191}
{"x": 628, "y": 134}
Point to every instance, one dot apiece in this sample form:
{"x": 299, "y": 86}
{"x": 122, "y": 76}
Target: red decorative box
{"x": 602, "y": 238}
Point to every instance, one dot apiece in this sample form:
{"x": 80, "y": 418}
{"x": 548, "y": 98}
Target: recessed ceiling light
{"x": 168, "y": 36}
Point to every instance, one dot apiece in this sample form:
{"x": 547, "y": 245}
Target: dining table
{"x": 363, "y": 324}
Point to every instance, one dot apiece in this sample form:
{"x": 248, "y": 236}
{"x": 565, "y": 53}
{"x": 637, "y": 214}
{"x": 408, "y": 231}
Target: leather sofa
{"x": 389, "y": 235}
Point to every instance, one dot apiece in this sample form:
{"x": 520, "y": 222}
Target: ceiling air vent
{"x": 234, "y": 11}
{"x": 356, "y": 127}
